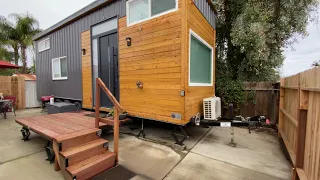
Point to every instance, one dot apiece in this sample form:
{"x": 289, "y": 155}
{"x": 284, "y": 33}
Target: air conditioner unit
{"x": 212, "y": 108}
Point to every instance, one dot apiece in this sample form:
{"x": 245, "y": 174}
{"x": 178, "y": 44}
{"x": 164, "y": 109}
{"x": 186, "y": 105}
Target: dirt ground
{"x": 207, "y": 155}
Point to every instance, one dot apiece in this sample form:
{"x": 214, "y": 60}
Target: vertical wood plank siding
{"x": 207, "y": 12}
{"x": 67, "y": 42}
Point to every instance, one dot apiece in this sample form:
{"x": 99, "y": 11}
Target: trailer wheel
{"x": 78, "y": 105}
{"x": 67, "y": 101}
{"x": 58, "y": 100}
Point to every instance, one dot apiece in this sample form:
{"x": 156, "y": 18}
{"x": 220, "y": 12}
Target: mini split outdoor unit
{"x": 212, "y": 108}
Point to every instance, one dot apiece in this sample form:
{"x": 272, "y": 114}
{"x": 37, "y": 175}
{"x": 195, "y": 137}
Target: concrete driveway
{"x": 208, "y": 156}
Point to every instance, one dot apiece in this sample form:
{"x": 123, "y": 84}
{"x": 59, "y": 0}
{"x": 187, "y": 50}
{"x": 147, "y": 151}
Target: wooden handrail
{"x": 114, "y": 101}
{"x": 117, "y": 110}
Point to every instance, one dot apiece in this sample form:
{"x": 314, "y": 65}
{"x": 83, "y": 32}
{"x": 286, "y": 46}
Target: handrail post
{"x": 116, "y": 132}
{"x": 97, "y": 105}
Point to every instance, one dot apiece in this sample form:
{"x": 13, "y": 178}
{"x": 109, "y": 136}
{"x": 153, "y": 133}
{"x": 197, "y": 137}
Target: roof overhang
{"x": 6, "y": 65}
{"x": 72, "y": 18}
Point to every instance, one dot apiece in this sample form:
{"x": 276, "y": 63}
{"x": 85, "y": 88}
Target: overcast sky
{"x": 49, "y": 12}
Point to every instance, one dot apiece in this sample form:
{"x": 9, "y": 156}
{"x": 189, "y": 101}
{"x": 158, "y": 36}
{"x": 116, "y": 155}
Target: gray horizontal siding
{"x": 67, "y": 42}
{"x": 207, "y": 12}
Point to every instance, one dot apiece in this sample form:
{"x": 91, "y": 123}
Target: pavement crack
{"x": 21, "y": 157}
{"x": 187, "y": 153}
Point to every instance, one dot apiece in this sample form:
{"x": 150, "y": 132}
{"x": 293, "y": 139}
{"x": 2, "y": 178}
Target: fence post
{"x": 281, "y": 106}
{"x": 301, "y": 129}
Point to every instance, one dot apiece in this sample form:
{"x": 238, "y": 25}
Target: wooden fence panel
{"x": 266, "y": 100}
{"x": 299, "y": 122}
{"x": 14, "y": 86}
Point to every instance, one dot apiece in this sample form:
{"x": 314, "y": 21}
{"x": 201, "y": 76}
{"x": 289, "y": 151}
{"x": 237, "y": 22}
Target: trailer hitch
{"x": 256, "y": 121}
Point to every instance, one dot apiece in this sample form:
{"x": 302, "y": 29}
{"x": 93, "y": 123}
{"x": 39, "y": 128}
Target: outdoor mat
{"x": 116, "y": 173}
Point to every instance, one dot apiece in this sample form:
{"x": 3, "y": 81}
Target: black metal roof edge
{"x": 213, "y": 7}
{"x": 82, "y": 12}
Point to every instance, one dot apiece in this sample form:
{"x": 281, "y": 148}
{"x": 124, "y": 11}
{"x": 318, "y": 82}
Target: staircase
{"x": 83, "y": 155}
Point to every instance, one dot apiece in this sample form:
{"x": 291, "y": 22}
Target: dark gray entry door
{"x": 108, "y": 66}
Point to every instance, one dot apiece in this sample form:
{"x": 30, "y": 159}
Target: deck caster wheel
{"x": 25, "y": 134}
{"x": 50, "y": 152}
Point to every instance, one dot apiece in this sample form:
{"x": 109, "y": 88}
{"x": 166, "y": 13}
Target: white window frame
{"x": 150, "y": 16}
{"x": 41, "y": 50}
{"x": 60, "y": 78}
{"x": 192, "y": 33}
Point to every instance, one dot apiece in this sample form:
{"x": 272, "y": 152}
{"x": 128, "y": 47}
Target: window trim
{"x": 60, "y": 78}
{"x": 44, "y": 48}
{"x": 150, "y": 16}
{"x": 192, "y": 33}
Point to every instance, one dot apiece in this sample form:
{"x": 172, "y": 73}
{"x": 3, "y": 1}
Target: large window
{"x": 201, "y": 61}
{"x": 59, "y": 68}
{"x": 44, "y": 45}
{"x": 141, "y": 10}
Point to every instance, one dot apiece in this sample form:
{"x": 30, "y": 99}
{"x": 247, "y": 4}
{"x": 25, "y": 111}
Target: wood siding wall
{"x": 195, "y": 95}
{"x": 158, "y": 57}
{"x": 155, "y": 59}
{"x": 86, "y": 71}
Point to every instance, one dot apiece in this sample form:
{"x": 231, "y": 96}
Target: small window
{"x": 201, "y": 61}
{"x": 142, "y": 10}
{"x": 59, "y": 68}
{"x": 44, "y": 45}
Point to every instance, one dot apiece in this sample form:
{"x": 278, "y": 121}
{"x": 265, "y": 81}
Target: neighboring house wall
{"x": 67, "y": 42}
{"x": 31, "y": 94}
{"x": 206, "y": 10}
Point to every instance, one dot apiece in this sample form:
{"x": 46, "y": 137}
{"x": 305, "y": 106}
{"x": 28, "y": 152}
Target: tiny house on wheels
{"x": 157, "y": 57}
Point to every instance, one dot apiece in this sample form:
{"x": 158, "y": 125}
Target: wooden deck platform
{"x": 78, "y": 150}
{"x": 55, "y": 125}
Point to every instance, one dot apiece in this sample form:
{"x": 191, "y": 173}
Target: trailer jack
{"x": 183, "y": 134}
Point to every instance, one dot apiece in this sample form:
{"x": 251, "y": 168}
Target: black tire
{"x": 67, "y": 101}
{"x": 58, "y": 100}
{"x": 78, "y": 105}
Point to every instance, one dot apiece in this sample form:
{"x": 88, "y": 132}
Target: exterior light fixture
{"x": 128, "y": 39}
{"x": 83, "y": 52}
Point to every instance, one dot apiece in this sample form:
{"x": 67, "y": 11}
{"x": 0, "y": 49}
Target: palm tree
{"x": 27, "y": 26}
{"x": 9, "y": 37}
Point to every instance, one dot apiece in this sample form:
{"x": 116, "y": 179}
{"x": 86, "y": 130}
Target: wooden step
{"x": 109, "y": 121}
{"x": 92, "y": 166}
{"x": 85, "y": 151}
{"x": 77, "y": 139}
{"x": 85, "y": 147}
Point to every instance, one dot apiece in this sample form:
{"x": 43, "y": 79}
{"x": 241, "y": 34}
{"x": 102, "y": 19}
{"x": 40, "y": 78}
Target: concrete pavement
{"x": 208, "y": 156}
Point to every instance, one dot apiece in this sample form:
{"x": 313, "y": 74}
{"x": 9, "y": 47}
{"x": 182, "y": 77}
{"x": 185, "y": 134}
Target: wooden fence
{"x": 14, "y": 86}
{"x": 266, "y": 98}
{"x": 299, "y": 122}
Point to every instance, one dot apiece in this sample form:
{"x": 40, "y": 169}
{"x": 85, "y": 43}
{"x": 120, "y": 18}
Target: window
{"x": 105, "y": 27}
{"x": 142, "y": 10}
{"x": 200, "y": 62}
{"x": 59, "y": 68}
{"x": 44, "y": 45}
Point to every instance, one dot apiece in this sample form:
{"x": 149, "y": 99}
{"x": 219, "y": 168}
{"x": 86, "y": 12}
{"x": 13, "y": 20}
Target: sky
{"x": 49, "y": 12}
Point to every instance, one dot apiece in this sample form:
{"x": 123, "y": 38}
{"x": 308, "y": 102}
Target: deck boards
{"x": 58, "y": 125}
